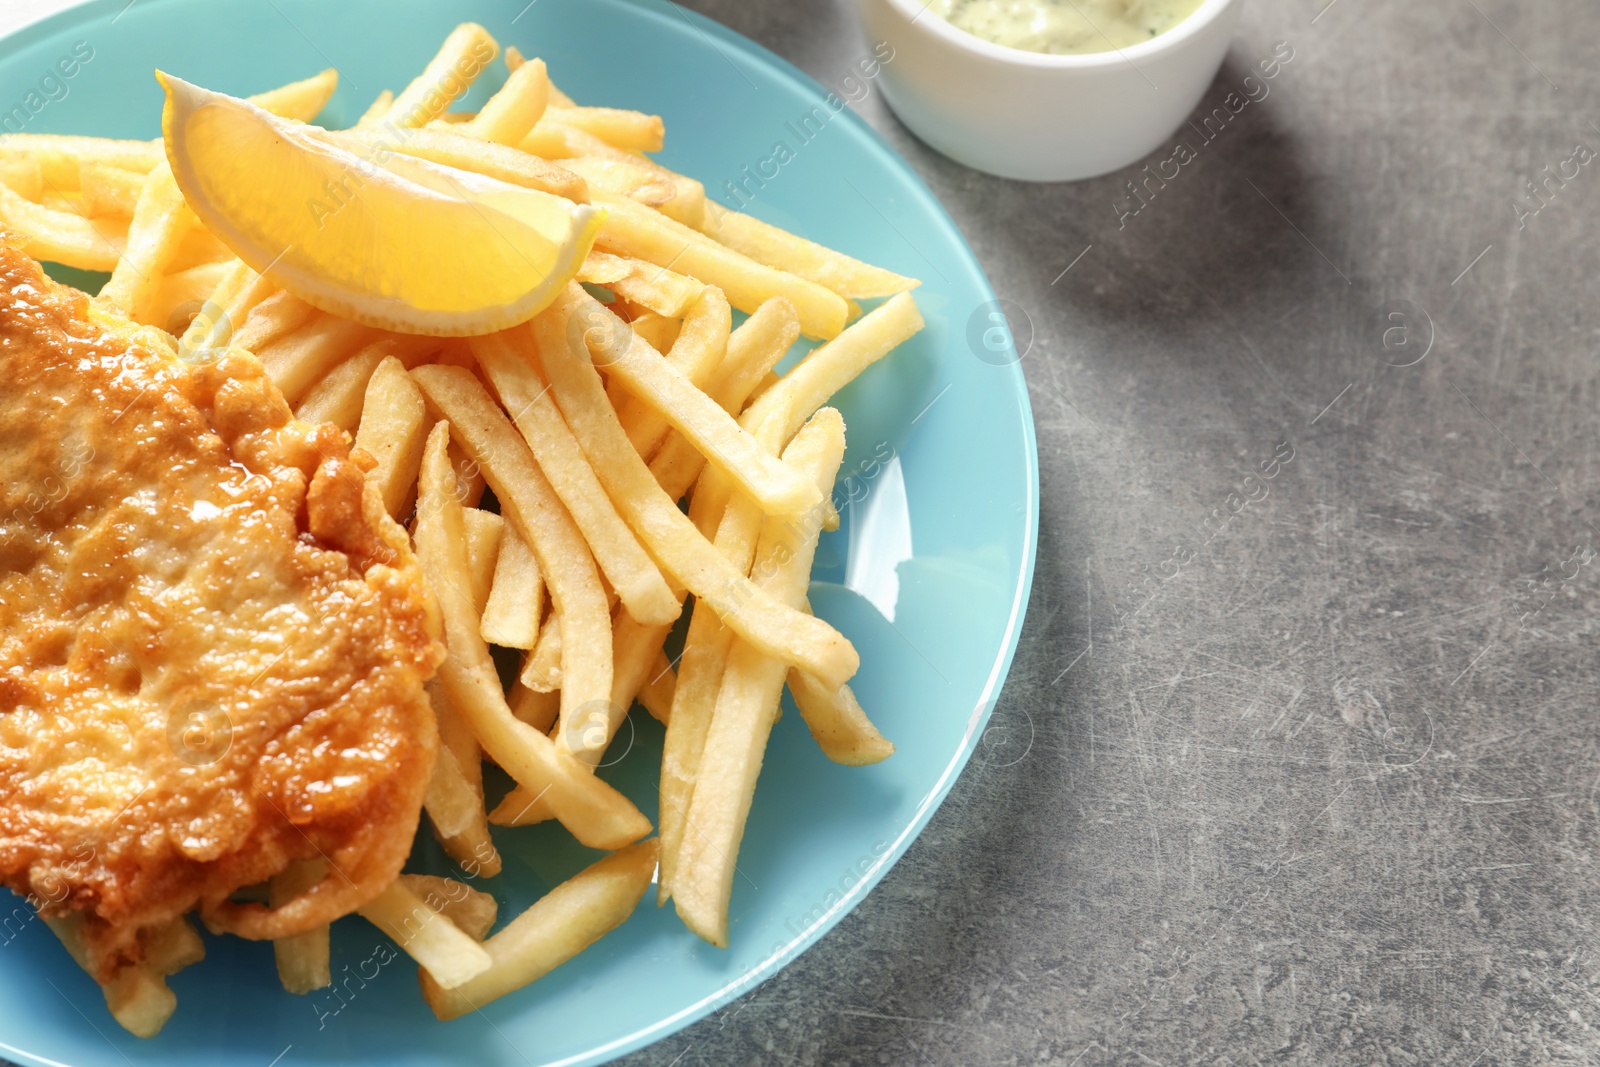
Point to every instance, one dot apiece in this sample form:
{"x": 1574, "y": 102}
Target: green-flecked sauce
{"x": 1065, "y": 27}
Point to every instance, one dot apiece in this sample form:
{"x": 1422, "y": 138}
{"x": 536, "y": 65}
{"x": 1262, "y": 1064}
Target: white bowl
{"x": 1043, "y": 117}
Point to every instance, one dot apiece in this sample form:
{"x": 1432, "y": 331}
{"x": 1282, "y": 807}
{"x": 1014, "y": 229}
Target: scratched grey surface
{"x": 1329, "y": 793}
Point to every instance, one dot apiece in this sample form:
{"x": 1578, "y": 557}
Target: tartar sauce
{"x": 1064, "y": 27}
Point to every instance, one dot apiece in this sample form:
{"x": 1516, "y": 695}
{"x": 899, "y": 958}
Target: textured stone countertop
{"x": 1330, "y": 794}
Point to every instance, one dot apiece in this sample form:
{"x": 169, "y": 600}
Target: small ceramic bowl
{"x": 1041, "y": 117}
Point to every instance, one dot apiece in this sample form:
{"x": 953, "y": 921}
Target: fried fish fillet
{"x": 213, "y": 639}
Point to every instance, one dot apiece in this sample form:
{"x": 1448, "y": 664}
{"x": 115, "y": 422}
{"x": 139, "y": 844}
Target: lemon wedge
{"x": 383, "y": 239}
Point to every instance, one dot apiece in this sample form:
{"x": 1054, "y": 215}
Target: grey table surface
{"x": 1317, "y": 783}
{"x": 1328, "y": 793}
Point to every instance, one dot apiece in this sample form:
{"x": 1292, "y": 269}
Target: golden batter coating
{"x": 213, "y": 639}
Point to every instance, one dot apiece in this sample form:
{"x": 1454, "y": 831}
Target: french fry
{"x": 596, "y": 814}
{"x": 301, "y": 100}
{"x": 656, "y": 693}
{"x": 340, "y": 395}
{"x": 25, "y": 177}
{"x": 470, "y": 482}
{"x": 182, "y": 290}
{"x": 516, "y": 598}
{"x": 376, "y": 111}
{"x": 161, "y": 220}
{"x": 514, "y": 109}
{"x": 776, "y": 414}
{"x": 837, "y": 723}
{"x": 61, "y": 156}
{"x": 624, "y": 177}
{"x": 634, "y": 230}
{"x": 296, "y": 360}
{"x": 448, "y": 955}
{"x": 776, "y": 248}
{"x": 273, "y": 317}
{"x": 451, "y": 72}
{"x": 507, "y": 361}
{"x": 631, "y": 131}
{"x": 454, "y": 149}
{"x": 564, "y": 922}
{"x": 752, "y": 683}
{"x": 454, "y": 800}
{"x": 538, "y": 710}
{"x": 790, "y": 635}
{"x": 698, "y": 351}
{"x": 484, "y": 531}
{"x": 602, "y": 268}
{"x": 541, "y": 668}
{"x": 753, "y": 349}
{"x": 138, "y": 997}
{"x": 515, "y": 59}
{"x": 62, "y": 237}
{"x": 691, "y": 412}
{"x": 473, "y": 911}
{"x": 659, "y": 289}
{"x": 302, "y": 959}
{"x": 393, "y": 429}
{"x": 658, "y": 331}
{"x": 105, "y": 190}
{"x": 554, "y": 141}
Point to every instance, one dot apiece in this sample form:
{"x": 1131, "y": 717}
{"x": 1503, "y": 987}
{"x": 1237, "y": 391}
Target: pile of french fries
{"x": 591, "y": 425}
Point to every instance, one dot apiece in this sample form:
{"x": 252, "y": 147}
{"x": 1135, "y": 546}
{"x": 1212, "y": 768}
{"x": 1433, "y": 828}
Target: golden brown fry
{"x": 61, "y": 156}
{"x": 597, "y": 815}
{"x": 657, "y": 692}
{"x": 301, "y": 100}
{"x": 541, "y": 668}
{"x": 451, "y": 72}
{"x": 376, "y": 111}
{"x": 516, "y": 598}
{"x": 527, "y": 500}
{"x": 273, "y": 317}
{"x": 60, "y": 236}
{"x": 658, "y": 289}
{"x": 658, "y": 331}
{"x": 776, "y": 414}
{"x": 454, "y": 800}
{"x": 602, "y": 268}
{"x": 105, "y": 190}
{"x": 790, "y": 635}
{"x": 767, "y": 244}
{"x": 454, "y": 149}
{"x": 698, "y": 351}
{"x": 635, "y": 230}
{"x": 565, "y": 921}
{"x": 538, "y": 710}
{"x": 664, "y": 387}
{"x": 296, "y": 360}
{"x": 446, "y": 954}
{"x": 338, "y": 398}
{"x": 631, "y": 131}
{"x": 512, "y": 111}
{"x": 507, "y": 360}
{"x": 624, "y": 177}
{"x": 161, "y": 220}
{"x": 178, "y": 296}
{"x": 473, "y": 911}
{"x": 515, "y": 59}
{"x": 753, "y": 349}
{"x": 835, "y": 719}
{"x": 484, "y": 531}
{"x": 752, "y": 683}
{"x": 302, "y": 959}
{"x": 393, "y": 429}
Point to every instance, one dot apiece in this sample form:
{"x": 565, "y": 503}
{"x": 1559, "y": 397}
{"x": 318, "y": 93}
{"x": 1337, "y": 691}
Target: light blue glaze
{"x": 820, "y": 835}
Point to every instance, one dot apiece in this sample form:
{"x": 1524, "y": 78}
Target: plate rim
{"x": 873, "y": 143}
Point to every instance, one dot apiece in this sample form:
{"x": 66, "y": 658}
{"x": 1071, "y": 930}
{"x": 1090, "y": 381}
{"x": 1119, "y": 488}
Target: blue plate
{"x": 928, "y": 573}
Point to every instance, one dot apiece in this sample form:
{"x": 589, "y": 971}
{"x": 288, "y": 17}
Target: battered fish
{"x": 213, "y": 639}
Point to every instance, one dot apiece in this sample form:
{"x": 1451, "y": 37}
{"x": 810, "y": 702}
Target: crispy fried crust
{"x": 213, "y": 640}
